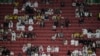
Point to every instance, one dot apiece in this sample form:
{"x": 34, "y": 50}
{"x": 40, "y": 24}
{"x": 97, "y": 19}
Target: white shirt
{"x": 15, "y": 11}
{"x": 76, "y": 42}
{"x": 31, "y": 21}
{"x": 85, "y": 31}
{"x": 72, "y": 42}
{"x": 48, "y": 49}
{"x": 57, "y": 49}
{"x": 35, "y": 4}
{"x": 30, "y": 28}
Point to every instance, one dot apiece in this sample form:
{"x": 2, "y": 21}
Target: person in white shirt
{"x": 56, "y": 49}
{"x": 65, "y": 42}
{"x": 30, "y": 21}
{"x": 19, "y": 26}
{"x": 72, "y": 42}
{"x": 35, "y": 4}
{"x": 36, "y": 54}
{"x": 24, "y": 48}
{"x": 43, "y": 54}
{"x": 76, "y": 42}
{"x": 85, "y": 31}
{"x": 48, "y": 49}
{"x": 15, "y": 11}
{"x": 75, "y": 53}
{"x": 30, "y": 28}
{"x": 89, "y": 35}
{"x": 13, "y": 36}
{"x": 41, "y": 49}
{"x": 54, "y": 37}
{"x": 10, "y": 24}
{"x": 28, "y": 3}
{"x": 48, "y": 54}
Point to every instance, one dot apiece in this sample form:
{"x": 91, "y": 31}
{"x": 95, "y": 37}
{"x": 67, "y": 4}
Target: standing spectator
{"x": 48, "y": 49}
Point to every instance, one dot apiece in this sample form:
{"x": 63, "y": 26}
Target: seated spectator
{"x": 20, "y": 26}
{"x": 54, "y": 28}
{"x": 15, "y": 11}
{"x": 67, "y": 23}
{"x": 72, "y": 42}
{"x": 30, "y": 21}
{"x": 77, "y": 35}
{"x": 41, "y": 49}
{"x": 42, "y": 23}
{"x": 57, "y": 11}
{"x": 48, "y": 54}
{"x": 62, "y": 3}
{"x": 60, "y": 34}
{"x": 98, "y": 17}
{"x": 35, "y": 4}
{"x": 68, "y": 53}
{"x": 54, "y": 37}
{"x": 10, "y": 24}
{"x": 24, "y": 48}
{"x": 65, "y": 42}
{"x": 93, "y": 54}
{"x": 76, "y": 43}
{"x": 5, "y": 52}
{"x": 30, "y": 28}
{"x": 56, "y": 49}
{"x": 43, "y": 54}
{"x": 85, "y": 31}
{"x": 75, "y": 53}
{"x": 81, "y": 21}
{"x": 48, "y": 49}
{"x": 13, "y": 36}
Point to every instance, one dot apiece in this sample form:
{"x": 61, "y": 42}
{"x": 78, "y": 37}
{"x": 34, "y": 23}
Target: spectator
{"x": 48, "y": 49}
{"x": 98, "y": 17}
{"x": 81, "y": 21}
{"x": 56, "y": 49}
{"x": 10, "y": 24}
{"x": 30, "y": 28}
{"x": 65, "y": 42}
{"x": 24, "y": 48}
{"x": 13, "y": 34}
{"x": 54, "y": 28}
{"x": 60, "y": 35}
{"x": 35, "y": 4}
{"x": 5, "y": 52}
{"x": 68, "y": 53}
{"x": 41, "y": 49}
{"x": 42, "y": 23}
{"x": 15, "y": 11}
{"x": 54, "y": 37}
{"x": 67, "y": 23}
{"x": 62, "y": 3}
{"x": 30, "y": 21}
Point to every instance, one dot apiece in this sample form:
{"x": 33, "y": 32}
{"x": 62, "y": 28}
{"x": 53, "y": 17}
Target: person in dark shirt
{"x": 68, "y": 53}
{"x": 5, "y": 52}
